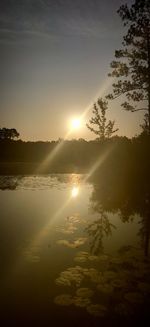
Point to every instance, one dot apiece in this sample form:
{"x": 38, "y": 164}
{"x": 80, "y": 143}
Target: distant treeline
{"x": 71, "y": 156}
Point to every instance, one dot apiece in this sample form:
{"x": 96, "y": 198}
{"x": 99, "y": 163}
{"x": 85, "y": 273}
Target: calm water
{"x": 65, "y": 261}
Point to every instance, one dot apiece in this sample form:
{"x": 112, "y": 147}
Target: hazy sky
{"x": 54, "y": 61}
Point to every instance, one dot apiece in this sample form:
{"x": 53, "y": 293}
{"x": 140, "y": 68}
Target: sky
{"x": 54, "y": 62}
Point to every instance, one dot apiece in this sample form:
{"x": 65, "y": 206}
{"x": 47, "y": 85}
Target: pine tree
{"x": 105, "y": 128}
{"x": 132, "y": 64}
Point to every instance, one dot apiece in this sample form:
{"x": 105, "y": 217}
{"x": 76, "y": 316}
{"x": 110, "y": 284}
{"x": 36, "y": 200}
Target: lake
{"x": 64, "y": 260}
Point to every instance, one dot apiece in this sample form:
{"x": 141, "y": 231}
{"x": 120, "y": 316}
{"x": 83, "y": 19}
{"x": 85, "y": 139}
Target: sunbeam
{"x": 101, "y": 159}
{"x": 48, "y": 160}
{"x": 43, "y": 232}
{"x": 75, "y": 124}
{"x": 100, "y": 93}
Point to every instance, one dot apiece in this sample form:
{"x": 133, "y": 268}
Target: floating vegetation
{"x": 80, "y": 259}
{"x": 82, "y": 254}
{"x": 74, "y": 219}
{"x": 106, "y": 288}
{"x": 69, "y": 229}
{"x": 94, "y": 275}
{"x": 31, "y": 254}
{"x": 70, "y": 226}
{"x": 81, "y": 301}
{"x": 109, "y": 280}
{"x": 84, "y": 257}
{"x": 84, "y": 292}
{"x": 97, "y": 310}
{"x": 71, "y": 276}
{"x": 64, "y": 299}
{"x": 93, "y": 257}
{"x": 73, "y": 244}
{"x": 134, "y": 297}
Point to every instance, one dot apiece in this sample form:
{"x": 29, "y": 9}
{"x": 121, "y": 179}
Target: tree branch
{"x": 140, "y": 109}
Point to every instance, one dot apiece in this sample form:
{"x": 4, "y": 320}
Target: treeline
{"x": 71, "y": 156}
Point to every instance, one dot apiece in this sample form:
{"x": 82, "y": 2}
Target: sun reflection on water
{"x": 75, "y": 192}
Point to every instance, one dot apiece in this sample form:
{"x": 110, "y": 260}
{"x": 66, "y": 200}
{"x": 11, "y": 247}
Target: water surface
{"x": 63, "y": 259}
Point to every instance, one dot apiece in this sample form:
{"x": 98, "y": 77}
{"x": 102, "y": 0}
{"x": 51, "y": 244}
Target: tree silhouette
{"x": 132, "y": 64}
{"x": 122, "y": 184}
{"x": 145, "y": 125}
{"x": 8, "y": 133}
{"x": 105, "y": 128}
{"x": 99, "y": 229}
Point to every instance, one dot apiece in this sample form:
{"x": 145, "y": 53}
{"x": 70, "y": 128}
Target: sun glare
{"x": 74, "y": 191}
{"x": 75, "y": 123}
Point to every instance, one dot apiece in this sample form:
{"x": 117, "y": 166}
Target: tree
{"x": 8, "y": 133}
{"x": 105, "y": 128}
{"x": 122, "y": 184}
{"x": 132, "y": 66}
{"x": 145, "y": 125}
{"x": 99, "y": 229}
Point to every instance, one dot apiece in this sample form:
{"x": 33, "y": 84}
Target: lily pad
{"x": 80, "y": 259}
{"x": 82, "y": 254}
{"x": 64, "y": 299}
{"x": 97, "y": 310}
{"x": 84, "y": 292}
{"x": 106, "y": 288}
{"x": 134, "y": 297}
{"x": 94, "y": 275}
{"x": 74, "y": 219}
{"x": 81, "y": 302}
{"x": 73, "y": 244}
{"x": 73, "y": 275}
{"x": 69, "y": 229}
{"x": 63, "y": 281}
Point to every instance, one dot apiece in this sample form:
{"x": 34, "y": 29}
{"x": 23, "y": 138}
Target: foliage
{"x": 122, "y": 184}
{"x": 8, "y": 133}
{"x": 132, "y": 64}
{"x": 105, "y": 129}
{"x": 145, "y": 125}
{"x": 98, "y": 229}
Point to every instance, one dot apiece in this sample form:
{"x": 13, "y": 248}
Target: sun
{"x": 76, "y": 123}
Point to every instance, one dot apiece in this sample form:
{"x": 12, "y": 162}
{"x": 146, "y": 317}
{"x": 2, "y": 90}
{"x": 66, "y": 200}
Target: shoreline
{"x": 32, "y": 168}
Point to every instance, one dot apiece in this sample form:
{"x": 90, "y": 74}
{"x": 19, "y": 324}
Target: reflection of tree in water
{"x": 124, "y": 187}
{"x": 129, "y": 205}
{"x": 117, "y": 285}
{"x": 107, "y": 285}
{"x": 144, "y": 232}
{"x": 98, "y": 229}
